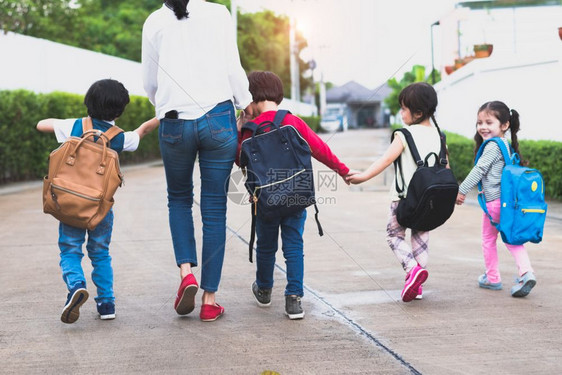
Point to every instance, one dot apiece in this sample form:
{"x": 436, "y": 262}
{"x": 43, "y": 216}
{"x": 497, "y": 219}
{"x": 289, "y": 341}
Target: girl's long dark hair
{"x": 179, "y": 7}
{"x": 420, "y": 97}
{"x": 502, "y": 112}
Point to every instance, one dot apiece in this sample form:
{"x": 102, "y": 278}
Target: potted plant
{"x": 483, "y": 50}
{"x": 449, "y": 69}
{"x": 459, "y": 63}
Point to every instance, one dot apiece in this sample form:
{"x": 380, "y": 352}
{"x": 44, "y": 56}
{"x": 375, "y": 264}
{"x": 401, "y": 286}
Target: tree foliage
{"x": 263, "y": 42}
{"x": 417, "y": 74}
{"x": 115, "y": 28}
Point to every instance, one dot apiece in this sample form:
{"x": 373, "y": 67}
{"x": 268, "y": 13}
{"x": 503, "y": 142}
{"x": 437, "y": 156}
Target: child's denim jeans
{"x": 292, "y": 228}
{"x": 71, "y": 240}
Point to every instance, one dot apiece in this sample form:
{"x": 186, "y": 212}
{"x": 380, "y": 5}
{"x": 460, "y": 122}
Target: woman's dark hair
{"x": 502, "y": 112}
{"x": 106, "y": 99}
{"x": 179, "y": 7}
{"x": 265, "y": 86}
{"x": 421, "y": 99}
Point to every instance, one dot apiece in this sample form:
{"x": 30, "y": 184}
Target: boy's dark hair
{"x": 106, "y": 99}
{"x": 501, "y": 111}
{"x": 419, "y": 97}
{"x": 265, "y": 85}
{"x": 179, "y": 7}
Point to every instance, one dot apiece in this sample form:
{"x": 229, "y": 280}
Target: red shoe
{"x": 210, "y": 313}
{"x": 185, "y": 299}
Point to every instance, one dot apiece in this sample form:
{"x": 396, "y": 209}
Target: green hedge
{"x": 542, "y": 155}
{"x": 312, "y": 121}
{"x": 24, "y": 151}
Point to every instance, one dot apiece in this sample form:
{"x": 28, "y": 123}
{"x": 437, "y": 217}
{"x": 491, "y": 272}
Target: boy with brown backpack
{"x": 105, "y": 101}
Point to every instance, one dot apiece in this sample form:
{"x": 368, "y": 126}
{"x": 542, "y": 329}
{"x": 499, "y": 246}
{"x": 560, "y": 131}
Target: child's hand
{"x": 356, "y": 177}
{"x": 147, "y": 126}
{"x": 460, "y": 198}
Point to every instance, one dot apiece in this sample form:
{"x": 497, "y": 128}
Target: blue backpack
{"x": 278, "y": 167}
{"x": 523, "y": 209}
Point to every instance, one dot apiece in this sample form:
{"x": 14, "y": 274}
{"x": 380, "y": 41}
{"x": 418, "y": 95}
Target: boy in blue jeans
{"x": 105, "y": 100}
{"x": 267, "y": 93}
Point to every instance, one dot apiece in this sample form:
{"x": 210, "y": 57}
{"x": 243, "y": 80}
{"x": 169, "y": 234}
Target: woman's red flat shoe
{"x": 210, "y": 313}
{"x": 185, "y": 299}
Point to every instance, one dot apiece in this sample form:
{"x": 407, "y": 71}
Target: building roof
{"x": 486, "y": 4}
{"x": 355, "y": 92}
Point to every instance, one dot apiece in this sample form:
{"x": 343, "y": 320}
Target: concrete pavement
{"x": 355, "y": 322}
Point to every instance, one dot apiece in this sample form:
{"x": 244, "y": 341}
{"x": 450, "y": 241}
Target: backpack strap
{"x": 109, "y": 134}
{"x": 506, "y": 157}
{"x": 398, "y": 162}
{"x": 250, "y": 126}
{"x": 87, "y": 124}
{"x": 252, "y": 230}
{"x": 416, "y": 155}
{"x": 279, "y": 116}
{"x": 277, "y": 120}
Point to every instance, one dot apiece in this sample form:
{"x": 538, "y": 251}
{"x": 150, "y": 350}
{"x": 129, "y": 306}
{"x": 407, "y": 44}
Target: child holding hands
{"x": 418, "y": 103}
{"x": 267, "y": 93}
{"x": 105, "y": 101}
{"x": 494, "y": 119}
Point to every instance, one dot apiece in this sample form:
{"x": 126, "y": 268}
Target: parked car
{"x": 334, "y": 120}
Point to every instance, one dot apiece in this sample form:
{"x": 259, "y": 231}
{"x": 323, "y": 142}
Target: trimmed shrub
{"x": 312, "y": 121}
{"x": 541, "y": 155}
{"x": 24, "y": 151}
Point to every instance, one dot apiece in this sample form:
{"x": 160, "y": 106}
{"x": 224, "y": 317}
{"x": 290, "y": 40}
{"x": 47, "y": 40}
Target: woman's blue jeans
{"x": 292, "y": 228}
{"x": 213, "y": 139}
{"x": 71, "y": 240}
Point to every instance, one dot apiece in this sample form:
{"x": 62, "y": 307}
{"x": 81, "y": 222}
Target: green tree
{"x": 115, "y": 28}
{"x": 417, "y": 74}
{"x": 263, "y": 42}
{"x": 48, "y": 19}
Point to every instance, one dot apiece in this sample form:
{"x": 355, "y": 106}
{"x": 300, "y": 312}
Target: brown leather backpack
{"x": 83, "y": 176}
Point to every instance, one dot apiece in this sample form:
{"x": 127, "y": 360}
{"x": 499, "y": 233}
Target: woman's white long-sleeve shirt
{"x": 191, "y": 65}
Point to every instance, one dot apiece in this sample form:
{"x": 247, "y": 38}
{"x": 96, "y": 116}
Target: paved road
{"x": 355, "y": 322}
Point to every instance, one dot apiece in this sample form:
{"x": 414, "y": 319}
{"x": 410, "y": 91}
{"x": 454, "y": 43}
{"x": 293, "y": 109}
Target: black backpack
{"x": 278, "y": 168}
{"x": 432, "y": 192}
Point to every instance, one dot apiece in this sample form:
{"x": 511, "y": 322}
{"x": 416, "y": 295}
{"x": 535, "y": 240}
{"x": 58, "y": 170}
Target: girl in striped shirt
{"x": 494, "y": 120}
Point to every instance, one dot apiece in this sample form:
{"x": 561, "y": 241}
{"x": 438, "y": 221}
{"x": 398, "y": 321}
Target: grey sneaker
{"x": 524, "y": 285}
{"x": 293, "y": 308}
{"x": 262, "y": 296}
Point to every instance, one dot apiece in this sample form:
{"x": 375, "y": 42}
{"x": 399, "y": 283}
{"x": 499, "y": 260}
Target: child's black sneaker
{"x": 106, "y": 310}
{"x": 76, "y": 298}
{"x": 263, "y": 296}
{"x": 293, "y": 307}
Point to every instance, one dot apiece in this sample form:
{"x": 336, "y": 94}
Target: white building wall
{"x": 531, "y": 85}
{"x": 43, "y": 66}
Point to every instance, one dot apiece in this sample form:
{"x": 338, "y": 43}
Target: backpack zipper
{"x": 53, "y": 186}
{"x": 279, "y": 182}
{"x": 532, "y": 210}
{"x": 255, "y": 197}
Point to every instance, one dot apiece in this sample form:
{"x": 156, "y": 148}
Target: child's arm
{"x": 147, "y": 126}
{"x": 392, "y": 153}
{"x": 46, "y": 125}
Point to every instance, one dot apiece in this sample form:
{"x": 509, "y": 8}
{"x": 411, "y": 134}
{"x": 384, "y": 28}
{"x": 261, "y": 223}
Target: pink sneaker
{"x": 185, "y": 299}
{"x": 420, "y": 293}
{"x": 414, "y": 280}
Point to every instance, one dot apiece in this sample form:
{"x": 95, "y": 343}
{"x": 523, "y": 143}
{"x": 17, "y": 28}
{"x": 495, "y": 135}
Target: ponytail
{"x": 179, "y": 7}
{"x": 514, "y": 126}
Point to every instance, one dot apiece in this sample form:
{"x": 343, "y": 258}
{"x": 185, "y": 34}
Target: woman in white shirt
{"x": 193, "y": 76}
